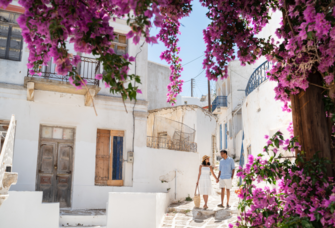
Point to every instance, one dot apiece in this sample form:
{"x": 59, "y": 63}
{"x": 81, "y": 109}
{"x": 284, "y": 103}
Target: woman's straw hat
{"x": 205, "y": 157}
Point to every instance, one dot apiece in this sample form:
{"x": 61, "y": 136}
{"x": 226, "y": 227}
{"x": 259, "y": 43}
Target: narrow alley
{"x": 184, "y": 215}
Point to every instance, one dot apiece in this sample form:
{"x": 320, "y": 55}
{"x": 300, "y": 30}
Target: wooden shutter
{"x": 116, "y": 159}
{"x": 102, "y": 157}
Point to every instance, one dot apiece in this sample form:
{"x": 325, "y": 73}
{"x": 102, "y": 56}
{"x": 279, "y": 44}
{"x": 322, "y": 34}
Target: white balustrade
{"x": 6, "y": 155}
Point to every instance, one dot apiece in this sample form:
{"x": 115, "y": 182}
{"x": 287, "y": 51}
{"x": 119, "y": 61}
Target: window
{"x": 119, "y": 44}
{"x": 248, "y": 150}
{"x": 226, "y": 137}
{"x": 220, "y": 136}
{"x": 109, "y": 158}
{"x": 230, "y": 129}
{"x": 10, "y": 36}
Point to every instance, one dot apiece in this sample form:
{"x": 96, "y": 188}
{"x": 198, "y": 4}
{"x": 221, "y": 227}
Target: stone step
{"x": 82, "y": 220}
{"x": 83, "y": 226}
{"x": 199, "y": 213}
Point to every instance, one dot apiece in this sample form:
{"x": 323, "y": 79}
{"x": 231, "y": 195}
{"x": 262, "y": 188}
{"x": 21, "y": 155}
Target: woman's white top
{"x": 205, "y": 183}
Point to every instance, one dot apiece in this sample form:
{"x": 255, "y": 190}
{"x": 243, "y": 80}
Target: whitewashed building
{"x": 184, "y": 100}
{"x": 70, "y": 160}
{"x": 227, "y": 106}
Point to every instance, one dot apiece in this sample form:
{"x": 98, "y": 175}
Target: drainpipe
{"x": 175, "y": 184}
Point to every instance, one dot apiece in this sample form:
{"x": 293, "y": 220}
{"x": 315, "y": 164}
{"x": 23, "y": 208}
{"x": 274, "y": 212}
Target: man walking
{"x": 226, "y": 174}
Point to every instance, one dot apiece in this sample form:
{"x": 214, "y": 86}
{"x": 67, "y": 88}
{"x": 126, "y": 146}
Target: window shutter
{"x": 102, "y": 157}
{"x": 4, "y": 30}
{"x": 116, "y": 158}
{"x": 15, "y": 44}
{"x": 11, "y": 41}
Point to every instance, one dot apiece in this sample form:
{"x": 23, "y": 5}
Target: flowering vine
{"x": 50, "y": 26}
{"x": 306, "y": 34}
{"x": 303, "y": 196}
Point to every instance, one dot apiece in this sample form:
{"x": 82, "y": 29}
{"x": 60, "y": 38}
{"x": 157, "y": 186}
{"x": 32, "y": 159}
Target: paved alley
{"x": 184, "y": 215}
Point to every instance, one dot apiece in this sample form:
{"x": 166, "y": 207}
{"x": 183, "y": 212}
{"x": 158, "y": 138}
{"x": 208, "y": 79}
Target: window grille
{"x": 10, "y": 36}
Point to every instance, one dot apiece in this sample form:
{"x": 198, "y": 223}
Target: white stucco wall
{"x": 158, "y": 79}
{"x": 154, "y": 165}
{"x": 58, "y": 109}
{"x": 262, "y": 115}
{"x": 25, "y": 209}
{"x": 143, "y": 210}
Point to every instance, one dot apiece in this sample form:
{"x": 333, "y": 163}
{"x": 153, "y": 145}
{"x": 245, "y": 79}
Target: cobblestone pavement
{"x": 184, "y": 215}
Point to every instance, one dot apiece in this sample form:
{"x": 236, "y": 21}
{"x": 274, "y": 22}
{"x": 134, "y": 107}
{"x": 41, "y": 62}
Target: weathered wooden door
{"x": 54, "y": 165}
{"x": 102, "y": 157}
{"x": 64, "y": 174}
{"x": 46, "y": 170}
{"x": 109, "y": 158}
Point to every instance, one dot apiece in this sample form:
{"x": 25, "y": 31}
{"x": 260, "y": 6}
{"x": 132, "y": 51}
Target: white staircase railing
{"x": 6, "y": 155}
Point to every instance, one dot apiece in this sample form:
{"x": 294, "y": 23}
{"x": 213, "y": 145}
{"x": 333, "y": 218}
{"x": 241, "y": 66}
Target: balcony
{"x": 219, "y": 101}
{"x": 258, "y": 77}
{"x": 51, "y": 81}
{"x": 175, "y": 144}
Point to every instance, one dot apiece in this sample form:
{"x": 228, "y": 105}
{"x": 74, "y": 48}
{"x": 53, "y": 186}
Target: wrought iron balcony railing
{"x": 219, "y": 101}
{"x": 86, "y": 69}
{"x": 257, "y": 77}
{"x": 165, "y": 143}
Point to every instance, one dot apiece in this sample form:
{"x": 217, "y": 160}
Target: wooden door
{"x": 54, "y": 175}
{"x": 102, "y": 157}
{"x": 64, "y": 174}
{"x": 46, "y": 170}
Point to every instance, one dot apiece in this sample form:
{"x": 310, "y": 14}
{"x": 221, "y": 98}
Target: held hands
{"x": 217, "y": 180}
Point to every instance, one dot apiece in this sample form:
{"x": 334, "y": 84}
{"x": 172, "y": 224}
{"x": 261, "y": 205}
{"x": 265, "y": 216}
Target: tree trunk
{"x": 310, "y": 123}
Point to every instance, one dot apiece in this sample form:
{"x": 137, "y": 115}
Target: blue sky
{"x": 192, "y": 46}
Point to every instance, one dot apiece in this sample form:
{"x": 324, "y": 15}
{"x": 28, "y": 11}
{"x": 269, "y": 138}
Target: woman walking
{"x": 204, "y": 179}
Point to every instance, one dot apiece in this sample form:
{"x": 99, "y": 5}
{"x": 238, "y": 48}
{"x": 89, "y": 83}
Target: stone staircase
{"x": 7, "y": 177}
{"x": 82, "y": 218}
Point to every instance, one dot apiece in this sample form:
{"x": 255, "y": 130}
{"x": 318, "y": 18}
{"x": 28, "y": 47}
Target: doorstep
{"x": 83, "y": 218}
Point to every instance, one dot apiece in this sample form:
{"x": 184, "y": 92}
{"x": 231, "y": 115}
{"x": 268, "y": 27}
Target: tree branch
{"x": 288, "y": 19}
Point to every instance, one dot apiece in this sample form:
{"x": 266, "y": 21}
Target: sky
{"x": 192, "y": 46}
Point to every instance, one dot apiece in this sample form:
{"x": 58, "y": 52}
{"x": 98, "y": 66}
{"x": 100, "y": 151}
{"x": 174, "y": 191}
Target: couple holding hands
{"x": 225, "y": 177}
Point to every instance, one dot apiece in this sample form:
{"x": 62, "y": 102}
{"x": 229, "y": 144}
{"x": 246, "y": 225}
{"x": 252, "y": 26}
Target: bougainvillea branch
{"x": 50, "y": 26}
{"x": 299, "y": 196}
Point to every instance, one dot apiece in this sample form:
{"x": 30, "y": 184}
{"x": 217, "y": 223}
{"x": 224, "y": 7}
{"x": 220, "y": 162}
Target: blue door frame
{"x": 226, "y": 138}
{"x": 220, "y": 136}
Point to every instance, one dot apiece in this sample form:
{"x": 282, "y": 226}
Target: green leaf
{"x": 310, "y": 35}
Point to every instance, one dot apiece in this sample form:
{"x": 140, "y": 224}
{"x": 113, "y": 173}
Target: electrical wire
{"x": 196, "y": 76}
{"x": 192, "y": 60}
{"x": 199, "y": 89}
{"x": 239, "y": 74}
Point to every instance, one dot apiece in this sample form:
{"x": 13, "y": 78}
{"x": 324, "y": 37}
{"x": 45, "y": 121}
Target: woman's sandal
{"x": 220, "y": 205}
{"x": 228, "y": 206}
{"x": 205, "y": 208}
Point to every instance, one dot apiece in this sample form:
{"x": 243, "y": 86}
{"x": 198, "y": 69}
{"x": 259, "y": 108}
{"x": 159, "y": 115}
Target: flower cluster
{"x": 234, "y": 24}
{"x": 308, "y": 46}
{"x": 48, "y": 27}
{"x": 168, "y": 35}
{"x": 306, "y": 34}
{"x": 303, "y": 196}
